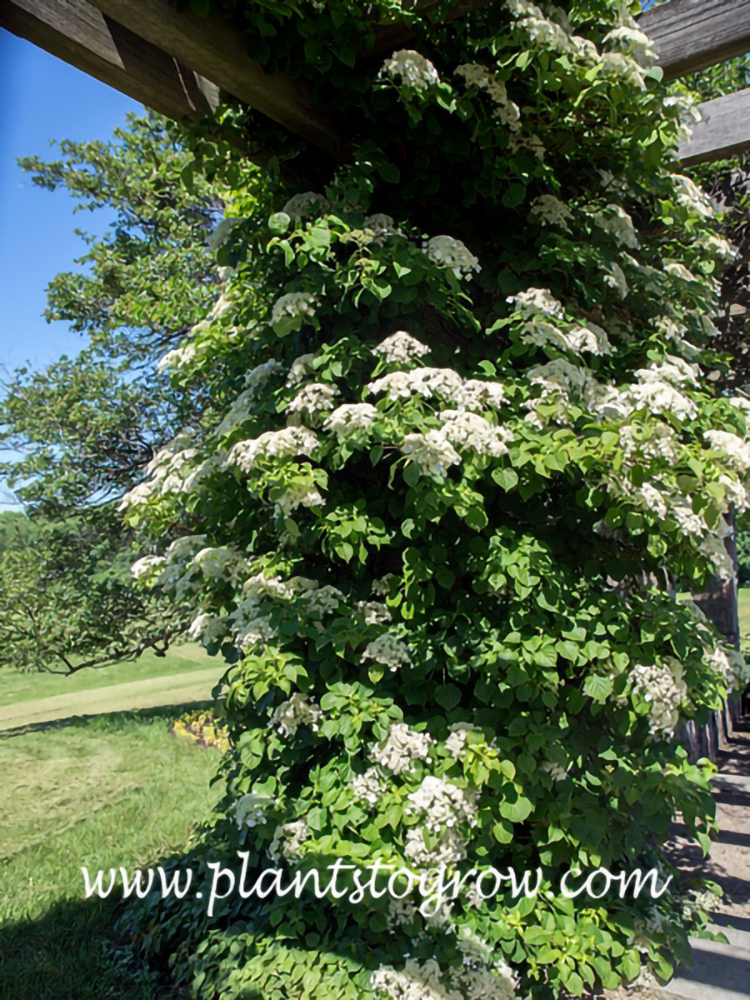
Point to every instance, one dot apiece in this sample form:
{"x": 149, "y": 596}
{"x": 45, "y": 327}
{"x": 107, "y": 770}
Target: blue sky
{"x": 48, "y": 100}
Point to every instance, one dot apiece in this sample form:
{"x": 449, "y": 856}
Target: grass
{"x": 16, "y": 687}
{"x": 108, "y": 791}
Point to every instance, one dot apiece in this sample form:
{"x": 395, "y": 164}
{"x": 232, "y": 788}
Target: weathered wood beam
{"x": 690, "y": 35}
{"x": 81, "y": 35}
{"x": 724, "y": 133}
{"x": 214, "y": 48}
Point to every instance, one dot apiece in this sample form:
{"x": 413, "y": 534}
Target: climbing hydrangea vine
{"x": 462, "y": 442}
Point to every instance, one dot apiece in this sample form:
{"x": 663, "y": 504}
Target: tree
{"x": 87, "y": 427}
{"x": 424, "y": 533}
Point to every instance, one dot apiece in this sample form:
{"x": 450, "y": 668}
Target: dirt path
{"x": 171, "y": 690}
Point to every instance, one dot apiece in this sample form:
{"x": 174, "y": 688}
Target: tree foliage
{"x": 425, "y": 529}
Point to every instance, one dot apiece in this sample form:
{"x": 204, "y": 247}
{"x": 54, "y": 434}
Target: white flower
{"x": 216, "y": 563}
{"x": 425, "y": 382}
{"x": 295, "y": 712}
{"x": 469, "y": 430}
{"x": 449, "y": 849}
{"x": 732, "y": 446}
{"x": 369, "y": 786}
{"x": 456, "y": 742}
{"x": 146, "y": 566}
{"x": 261, "y": 373}
{"x": 614, "y": 277}
{"x": 401, "y": 348}
{"x": 664, "y": 688}
{"x": 714, "y": 549}
{"x": 535, "y": 302}
{"x": 350, "y": 418}
{"x": 476, "y": 394}
{"x": 662, "y": 397}
{"x": 412, "y": 68}
{"x": 288, "y": 839}
{"x": 432, "y": 452}
{"x": 691, "y": 197}
{"x": 633, "y": 41}
{"x": 177, "y": 358}
{"x": 615, "y": 220}
{"x": 249, "y": 810}
{"x": 218, "y": 237}
{"x": 591, "y": 338}
{"x": 381, "y": 225}
{"x": 556, "y": 772}
{"x": 624, "y": 66}
{"x": 382, "y": 587}
{"x": 373, "y": 612}
{"x": 651, "y": 441}
{"x": 550, "y": 211}
{"x": 453, "y": 254}
{"x": 284, "y": 443}
{"x": 308, "y": 203}
{"x": 298, "y": 495}
{"x": 301, "y": 367}
{"x": 324, "y": 600}
{"x": 291, "y": 310}
{"x": 387, "y": 651}
{"x": 531, "y": 142}
{"x": 484, "y": 79}
{"x": 558, "y": 376}
{"x": 312, "y": 400}
{"x": 442, "y": 803}
{"x": 207, "y": 628}
{"x": 401, "y": 748}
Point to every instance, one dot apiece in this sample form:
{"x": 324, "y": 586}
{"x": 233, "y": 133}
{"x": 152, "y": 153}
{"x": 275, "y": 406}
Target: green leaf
{"x": 448, "y": 696}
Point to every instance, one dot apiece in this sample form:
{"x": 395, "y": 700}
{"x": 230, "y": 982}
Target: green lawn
{"x": 108, "y": 791}
{"x": 16, "y": 687}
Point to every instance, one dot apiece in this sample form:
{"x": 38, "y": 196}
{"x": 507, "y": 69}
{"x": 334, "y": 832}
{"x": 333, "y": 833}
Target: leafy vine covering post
{"x": 459, "y": 421}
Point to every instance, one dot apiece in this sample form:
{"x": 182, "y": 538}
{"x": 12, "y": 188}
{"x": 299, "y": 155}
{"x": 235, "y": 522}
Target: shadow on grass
{"x": 70, "y": 953}
{"x": 109, "y": 721}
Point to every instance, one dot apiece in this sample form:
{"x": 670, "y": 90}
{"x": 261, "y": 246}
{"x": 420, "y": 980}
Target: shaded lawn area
{"x": 16, "y": 687}
{"x": 108, "y": 791}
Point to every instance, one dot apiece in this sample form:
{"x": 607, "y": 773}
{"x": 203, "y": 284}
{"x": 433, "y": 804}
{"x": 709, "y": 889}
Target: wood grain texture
{"x": 78, "y": 33}
{"x": 215, "y": 49}
{"x": 692, "y": 34}
{"x": 725, "y": 131}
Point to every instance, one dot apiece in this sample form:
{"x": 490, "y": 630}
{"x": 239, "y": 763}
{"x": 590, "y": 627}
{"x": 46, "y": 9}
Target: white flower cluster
{"x": 469, "y": 430}
{"x": 239, "y": 412}
{"x": 621, "y": 65}
{"x": 323, "y": 600}
{"x": 369, "y": 786}
{"x": 650, "y": 441}
{"x": 553, "y": 32}
{"x": 446, "y": 383}
{"x": 146, "y": 567}
{"x": 207, "y": 628}
{"x": 288, "y": 840}
{"x": 305, "y": 205}
{"x": 665, "y": 690}
{"x": 443, "y": 803}
{"x": 301, "y": 367}
{"x": 731, "y": 664}
{"x": 732, "y": 446}
{"x": 300, "y": 494}
{"x": 284, "y": 443}
{"x": 422, "y": 981}
{"x": 555, "y": 771}
{"x": 178, "y": 357}
{"x": 350, "y": 418}
{"x": 535, "y": 302}
{"x": 412, "y": 69}
{"x": 293, "y": 305}
{"x": 401, "y": 747}
{"x": 550, "y": 211}
{"x": 400, "y": 348}
{"x": 456, "y": 742}
{"x": 484, "y": 79}
{"x": 691, "y": 197}
{"x": 311, "y": 401}
{"x": 631, "y": 40}
{"x": 250, "y": 809}
{"x": 373, "y": 612}
{"x": 388, "y": 652}
{"x": 261, "y": 373}
{"x": 615, "y": 220}
{"x": 380, "y": 226}
{"x": 223, "y": 562}
{"x": 220, "y": 234}
{"x": 432, "y": 452}
{"x": 449, "y": 849}
{"x": 452, "y": 254}
{"x": 714, "y": 549}
{"x": 295, "y": 712}
{"x": 382, "y": 587}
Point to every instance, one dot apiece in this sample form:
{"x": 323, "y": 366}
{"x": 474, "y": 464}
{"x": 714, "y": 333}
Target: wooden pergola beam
{"x": 81, "y": 35}
{"x": 215, "y": 49}
{"x": 690, "y": 35}
{"x": 724, "y": 133}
